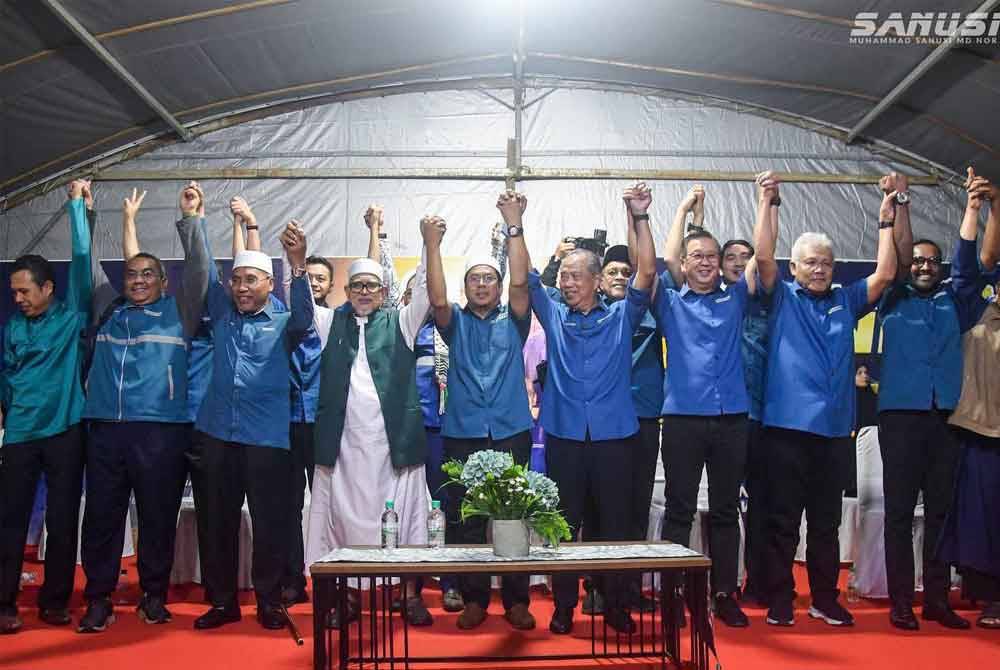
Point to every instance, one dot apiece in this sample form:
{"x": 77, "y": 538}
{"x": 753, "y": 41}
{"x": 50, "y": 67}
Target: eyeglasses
{"x": 364, "y": 286}
{"x": 486, "y": 279}
{"x": 930, "y": 260}
{"x": 697, "y": 257}
{"x": 250, "y": 281}
{"x": 810, "y": 263}
{"x": 618, "y": 272}
{"x": 147, "y": 274}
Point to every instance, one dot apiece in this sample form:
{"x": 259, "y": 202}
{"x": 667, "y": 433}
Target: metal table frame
{"x": 375, "y": 630}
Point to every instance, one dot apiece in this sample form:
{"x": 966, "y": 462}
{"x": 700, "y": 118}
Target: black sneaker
{"x": 944, "y": 615}
{"x": 55, "y": 616}
{"x": 452, "y": 601}
{"x": 781, "y": 614}
{"x": 832, "y": 612}
{"x": 218, "y": 616}
{"x": 901, "y": 616}
{"x": 152, "y": 610}
{"x": 729, "y": 612}
{"x": 100, "y": 614}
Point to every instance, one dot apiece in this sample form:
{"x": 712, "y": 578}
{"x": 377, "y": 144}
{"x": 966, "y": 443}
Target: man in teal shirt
{"x": 42, "y": 398}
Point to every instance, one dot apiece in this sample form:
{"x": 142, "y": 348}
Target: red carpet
{"x": 810, "y": 645}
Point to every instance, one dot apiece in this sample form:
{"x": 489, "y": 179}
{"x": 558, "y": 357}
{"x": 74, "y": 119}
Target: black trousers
{"x": 61, "y": 458}
{"x": 303, "y": 464}
{"x": 192, "y": 461}
{"x": 139, "y": 456}
{"x": 756, "y": 521}
{"x": 261, "y": 474}
{"x": 718, "y": 443}
{"x": 599, "y": 470}
{"x": 919, "y": 453}
{"x": 799, "y": 478}
{"x": 476, "y": 588}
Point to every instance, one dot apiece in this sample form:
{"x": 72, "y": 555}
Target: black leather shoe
{"x": 562, "y": 621}
{"x": 270, "y": 616}
{"x": 903, "y": 618}
{"x": 416, "y": 612}
{"x": 55, "y": 616}
{"x": 217, "y": 616}
{"x": 291, "y": 595}
{"x": 99, "y": 615}
{"x": 729, "y": 612}
{"x": 621, "y": 620}
{"x": 945, "y": 616}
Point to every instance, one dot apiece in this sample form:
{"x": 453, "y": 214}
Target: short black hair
{"x": 156, "y": 261}
{"x": 732, "y": 243}
{"x": 38, "y": 267}
{"x": 700, "y": 235}
{"x": 319, "y": 260}
{"x": 924, "y": 240}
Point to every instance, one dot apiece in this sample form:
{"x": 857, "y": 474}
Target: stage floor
{"x": 809, "y": 645}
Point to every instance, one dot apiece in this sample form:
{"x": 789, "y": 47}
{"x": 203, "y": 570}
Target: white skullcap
{"x": 488, "y": 261}
{"x": 254, "y": 259}
{"x": 364, "y": 266}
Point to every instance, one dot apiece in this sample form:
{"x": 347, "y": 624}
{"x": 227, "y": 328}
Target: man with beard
{"x": 487, "y": 408}
{"x": 809, "y": 405}
{"x": 137, "y": 415}
{"x": 42, "y": 402}
{"x": 369, "y": 437}
{"x": 587, "y": 409}
{"x": 922, "y": 322}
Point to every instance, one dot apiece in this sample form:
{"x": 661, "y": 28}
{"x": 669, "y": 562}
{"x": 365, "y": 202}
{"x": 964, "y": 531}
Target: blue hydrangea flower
{"x": 545, "y": 488}
{"x": 483, "y": 463}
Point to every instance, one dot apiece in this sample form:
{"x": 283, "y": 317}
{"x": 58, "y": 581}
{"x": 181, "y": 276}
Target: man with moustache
{"x": 137, "y": 414}
{"x": 369, "y": 437}
{"x": 809, "y": 405}
{"x": 587, "y": 409}
{"x": 243, "y": 427}
{"x": 487, "y": 408}
{"x": 42, "y": 401}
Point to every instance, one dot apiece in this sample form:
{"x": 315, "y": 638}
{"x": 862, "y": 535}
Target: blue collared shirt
{"x": 248, "y": 399}
{"x": 704, "y": 363}
{"x": 588, "y": 387}
{"x": 754, "y": 347}
{"x": 810, "y": 359}
{"x": 305, "y": 377}
{"x": 486, "y": 392}
{"x": 427, "y": 380}
{"x": 647, "y": 368}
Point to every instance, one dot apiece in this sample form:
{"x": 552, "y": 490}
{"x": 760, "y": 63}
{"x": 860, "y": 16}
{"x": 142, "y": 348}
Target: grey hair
{"x": 808, "y": 241}
{"x": 591, "y": 261}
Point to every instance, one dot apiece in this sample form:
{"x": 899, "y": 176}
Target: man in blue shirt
{"x": 486, "y": 408}
{"x": 705, "y": 403}
{"x": 243, "y": 426}
{"x": 809, "y": 405}
{"x": 587, "y": 409}
{"x": 137, "y": 410}
{"x": 922, "y": 320}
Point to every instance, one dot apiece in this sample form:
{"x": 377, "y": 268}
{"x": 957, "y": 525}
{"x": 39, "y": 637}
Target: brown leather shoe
{"x": 519, "y": 617}
{"x": 472, "y": 616}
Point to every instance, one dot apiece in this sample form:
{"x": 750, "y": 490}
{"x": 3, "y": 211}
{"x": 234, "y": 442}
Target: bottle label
{"x": 389, "y": 534}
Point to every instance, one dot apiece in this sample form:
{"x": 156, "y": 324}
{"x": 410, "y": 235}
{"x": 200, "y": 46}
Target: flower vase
{"x": 510, "y": 538}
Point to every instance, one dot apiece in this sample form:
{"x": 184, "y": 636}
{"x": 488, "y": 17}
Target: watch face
{"x": 902, "y": 198}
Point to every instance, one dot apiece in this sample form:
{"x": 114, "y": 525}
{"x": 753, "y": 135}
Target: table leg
{"x": 321, "y": 605}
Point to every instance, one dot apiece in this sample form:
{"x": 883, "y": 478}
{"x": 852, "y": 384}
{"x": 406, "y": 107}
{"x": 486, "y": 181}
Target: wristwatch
{"x": 640, "y": 217}
{"x": 513, "y": 231}
{"x": 903, "y": 198}
{"x": 886, "y": 224}
{"x": 776, "y": 201}
{"x": 299, "y": 271}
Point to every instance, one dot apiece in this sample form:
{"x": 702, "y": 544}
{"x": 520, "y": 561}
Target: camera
{"x": 597, "y": 244}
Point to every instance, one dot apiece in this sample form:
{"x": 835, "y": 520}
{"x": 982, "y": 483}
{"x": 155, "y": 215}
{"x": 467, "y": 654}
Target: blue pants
{"x": 139, "y": 456}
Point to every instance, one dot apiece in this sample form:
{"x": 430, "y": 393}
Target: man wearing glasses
{"x": 137, "y": 414}
{"x": 243, "y": 426}
{"x": 487, "y": 408}
{"x": 922, "y": 322}
{"x": 370, "y": 444}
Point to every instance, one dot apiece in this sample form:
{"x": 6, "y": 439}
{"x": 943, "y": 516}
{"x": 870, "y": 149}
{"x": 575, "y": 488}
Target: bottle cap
{"x": 388, "y": 504}
{"x": 435, "y": 504}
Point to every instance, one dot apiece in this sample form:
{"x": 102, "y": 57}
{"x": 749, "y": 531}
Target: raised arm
{"x": 199, "y": 267}
{"x": 885, "y": 266}
{"x": 80, "y": 287}
{"x": 765, "y": 233}
{"x": 293, "y": 239}
{"x": 550, "y": 274}
{"x": 130, "y": 239}
{"x": 902, "y": 232}
{"x": 432, "y": 229}
{"x": 639, "y": 198}
{"x": 380, "y": 251}
{"x": 243, "y": 216}
{"x": 990, "y": 252}
{"x": 512, "y": 207}
{"x": 674, "y": 248}
{"x": 498, "y": 248}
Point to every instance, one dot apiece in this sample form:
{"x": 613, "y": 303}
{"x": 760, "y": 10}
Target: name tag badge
{"x": 835, "y": 308}
{"x": 267, "y": 329}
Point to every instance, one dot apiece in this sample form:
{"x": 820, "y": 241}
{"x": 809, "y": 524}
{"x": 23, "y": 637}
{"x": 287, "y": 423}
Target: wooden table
{"x": 374, "y": 633}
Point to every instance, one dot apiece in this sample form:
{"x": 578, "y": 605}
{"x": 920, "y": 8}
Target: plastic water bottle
{"x": 390, "y": 526}
{"x": 852, "y": 586}
{"x": 435, "y": 525}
